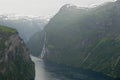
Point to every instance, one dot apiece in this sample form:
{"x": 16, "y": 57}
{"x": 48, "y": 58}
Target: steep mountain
{"x": 86, "y": 37}
{"x": 35, "y": 43}
{"x": 15, "y": 62}
{"x": 25, "y": 25}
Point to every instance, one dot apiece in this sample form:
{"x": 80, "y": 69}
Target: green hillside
{"x": 86, "y": 37}
{"x": 7, "y": 30}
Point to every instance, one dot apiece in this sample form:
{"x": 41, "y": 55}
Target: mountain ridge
{"x": 87, "y": 38}
{"x": 25, "y": 25}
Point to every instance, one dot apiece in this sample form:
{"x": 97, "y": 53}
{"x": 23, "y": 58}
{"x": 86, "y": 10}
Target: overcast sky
{"x": 40, "y": 7}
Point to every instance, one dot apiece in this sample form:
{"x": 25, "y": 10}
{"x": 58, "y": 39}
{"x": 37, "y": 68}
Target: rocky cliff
{"x": 15, "y": 62}
{"x": 86, "y": 38}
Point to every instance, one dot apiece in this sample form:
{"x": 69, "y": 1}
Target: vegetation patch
{"x": 7, "y": 29}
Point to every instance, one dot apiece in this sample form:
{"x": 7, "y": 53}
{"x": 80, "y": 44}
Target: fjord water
{"x": 50, "y": 71}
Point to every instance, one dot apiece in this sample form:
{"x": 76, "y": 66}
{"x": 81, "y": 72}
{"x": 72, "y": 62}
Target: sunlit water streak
{"x": 48, "y": 71}
{"x": 39, "y": 69}
{"x": 40, "y": 72}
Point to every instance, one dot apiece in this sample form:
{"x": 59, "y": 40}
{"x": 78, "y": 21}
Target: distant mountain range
{"x": 25, "y": 25}
{"x": 35, "y": 43}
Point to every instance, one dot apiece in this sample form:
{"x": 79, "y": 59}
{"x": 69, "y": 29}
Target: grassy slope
{"x": 86, "y": 38}
{"x": 7, "y": 30}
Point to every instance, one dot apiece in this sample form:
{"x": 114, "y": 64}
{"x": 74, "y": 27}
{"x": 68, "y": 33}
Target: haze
{"x": 45, "y": 8}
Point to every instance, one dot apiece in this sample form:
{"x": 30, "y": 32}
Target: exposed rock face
{"x": 87, "y": 38}
{"x": 15, "y": 62}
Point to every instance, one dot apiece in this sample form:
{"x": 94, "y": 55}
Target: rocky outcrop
{"x": 15, "y": 62}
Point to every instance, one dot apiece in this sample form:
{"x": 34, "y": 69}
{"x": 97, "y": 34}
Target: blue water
{"x": 50, "y": 71}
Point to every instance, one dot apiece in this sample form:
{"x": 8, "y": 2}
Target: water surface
{"x": 50, "y": 71}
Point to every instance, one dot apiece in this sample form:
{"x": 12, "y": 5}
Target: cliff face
{"x": 87, "y": 38}
{"x": 15, "y": 62}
